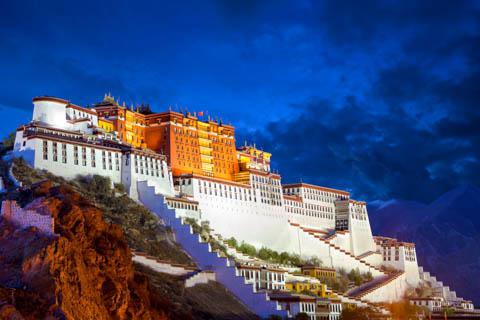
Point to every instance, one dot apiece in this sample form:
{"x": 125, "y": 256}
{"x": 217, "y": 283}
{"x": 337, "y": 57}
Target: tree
{"x": 120, "y": 188}
{"x": 232, "y": 242}
{"x": 355, "y": 277}
{"x": 368, "y": 276}
{"x": 315, "y": 261}
{"x": 247, "y": 249}
{"x": 295, "y": 260}
{"x": 284, "y": 258}
{"x": 268, "y": 254}
{"x": 9, "y": 141}
{"x": 448, "y": 311}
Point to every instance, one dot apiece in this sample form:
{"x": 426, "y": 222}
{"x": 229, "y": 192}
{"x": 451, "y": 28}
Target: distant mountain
{"x": 446, "y": 232}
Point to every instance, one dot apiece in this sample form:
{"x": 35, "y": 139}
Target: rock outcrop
{"x": 84, "y": 272}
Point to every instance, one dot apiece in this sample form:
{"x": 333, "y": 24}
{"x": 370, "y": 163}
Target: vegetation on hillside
{"x": 270, "y": 255}
{"x": 204, "y": 230}
{"x": 9, "y": 141}
{"x": 345, "y": 280}
{"x": 141, "y": 227}
{"x": 423, "y": 290}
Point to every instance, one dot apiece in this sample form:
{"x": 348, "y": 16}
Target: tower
{"x": 50, "y": 111}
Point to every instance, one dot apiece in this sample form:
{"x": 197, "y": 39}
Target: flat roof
{"x": 312, "y": 186}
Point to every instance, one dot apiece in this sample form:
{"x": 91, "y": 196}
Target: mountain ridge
{"x": 445, "y": 233}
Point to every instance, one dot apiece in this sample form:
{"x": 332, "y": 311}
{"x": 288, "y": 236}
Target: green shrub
{"x": 9, "y": 141}
{"x": 247, "y": 249}
{"x": 232, "y": 242}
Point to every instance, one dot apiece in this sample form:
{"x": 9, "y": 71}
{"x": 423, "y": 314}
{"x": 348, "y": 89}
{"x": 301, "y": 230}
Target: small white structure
{"x": 328, "y": 309}
{"x": 401, "y": 256}
{"x": 296, "y": 303}
{"x": 69, "y": 154}
{"x": 262, "y": 276}
{"x": 431, "y": 303}
{"x": 202, "y": 277}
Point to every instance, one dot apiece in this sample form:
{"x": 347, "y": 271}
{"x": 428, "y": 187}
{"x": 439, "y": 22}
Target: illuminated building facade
{"x": 192, "y": 146}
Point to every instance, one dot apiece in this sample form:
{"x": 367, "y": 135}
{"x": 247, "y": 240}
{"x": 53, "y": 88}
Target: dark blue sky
{"x": 381, "y": 98}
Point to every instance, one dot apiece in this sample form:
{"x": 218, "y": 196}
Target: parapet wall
{"x": 22, "y": 218}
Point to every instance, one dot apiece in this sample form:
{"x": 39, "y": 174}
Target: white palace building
{"x": 196, "y": 168}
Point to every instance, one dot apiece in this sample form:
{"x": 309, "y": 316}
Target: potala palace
{"x": 185, "y": 165}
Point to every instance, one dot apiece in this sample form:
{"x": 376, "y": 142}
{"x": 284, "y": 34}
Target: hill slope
{"x": 446, "y": 233}
{"x": 84, "y": 273}
{"x": 44, "y": 276}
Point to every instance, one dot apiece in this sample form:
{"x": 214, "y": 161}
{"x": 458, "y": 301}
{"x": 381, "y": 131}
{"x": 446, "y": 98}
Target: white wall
{"x": 50, "y": 112}
{"x": 70, "y": 169}
{"x": 391, "y": 292}
{"x": 74, "y": 113}
{"x": 134, "y": 169}
{"x": 360, "y": 232}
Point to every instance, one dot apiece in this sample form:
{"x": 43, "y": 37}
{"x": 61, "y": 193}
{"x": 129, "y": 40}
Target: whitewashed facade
{"x": 61, "y": 139}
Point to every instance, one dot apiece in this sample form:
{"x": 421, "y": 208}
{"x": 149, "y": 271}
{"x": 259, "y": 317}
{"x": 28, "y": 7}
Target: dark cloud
{"x": 354, "y": 23}
{"x": 377, "y": 156}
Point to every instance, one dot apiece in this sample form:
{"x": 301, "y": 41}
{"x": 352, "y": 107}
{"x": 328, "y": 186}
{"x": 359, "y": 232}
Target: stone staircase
{"x": 331, "y": 235}
{"x": 163, "y": 266}
{"x": 366, "y": 288}
{"x": 438, "y": 287}
{"x": 206, "y": 259}
{"x": 366, "y": 254}
{"x": 199, "y": 278}
{"x": 354, "y": 262}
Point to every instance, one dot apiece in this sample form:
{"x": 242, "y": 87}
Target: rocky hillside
{"x": 85, "y": 272}
{"x": 142, "y": 229}
{"x": 446, "y": 233}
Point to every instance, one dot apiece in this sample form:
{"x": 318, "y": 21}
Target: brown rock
{"x": 84, "y": 273}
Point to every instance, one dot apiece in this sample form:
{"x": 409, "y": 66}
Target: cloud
{"x": 377, "y": 156}
{"x": 413, "y": 132}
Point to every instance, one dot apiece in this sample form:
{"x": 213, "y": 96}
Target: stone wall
{"x": 199, "y": 278}
{"x": 24, "y": 218}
